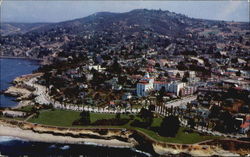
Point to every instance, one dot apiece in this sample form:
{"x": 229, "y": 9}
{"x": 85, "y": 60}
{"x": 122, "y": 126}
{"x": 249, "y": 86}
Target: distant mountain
{"x": 163, "y": 22}
{"x": 19, "y": 28}
{"x": 138, "y": 29}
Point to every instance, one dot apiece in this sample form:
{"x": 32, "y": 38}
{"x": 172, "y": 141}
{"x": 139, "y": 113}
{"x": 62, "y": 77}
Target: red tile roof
{"x": 111, "y": 102}
{"x": 247, "y": 122}
{"x": 245, "y": 125}
{"x": 160, "y": 82}
{"x": 143, "y": 82}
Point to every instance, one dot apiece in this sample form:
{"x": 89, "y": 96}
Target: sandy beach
{"x": 44, "y": 137}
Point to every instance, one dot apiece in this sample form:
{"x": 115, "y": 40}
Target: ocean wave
{"x": 133, "y": 149}
{"x": 52, "y": 146}
{"x": 65, "y": 147}
{"x": 103, "y": 145}
{"x": 141, "y": 152}
{"x": 10, "y": 138}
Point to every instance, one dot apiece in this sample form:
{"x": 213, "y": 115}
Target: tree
{"x": 118, "y": 116}
{"x": 147, "y": 116}
{"x": 116, "y": 67}
{"x": 184, "y": 79}
{"x": 181, "y": 66}
{"x": 157, "y": 65}
{"x": 166, "y": 74}
{"x": 151, "y": 107}
{"x": 169, "y": 126}
{"x": 228, "y": 122}
{"x": 191, "y": 122}
{"x": 178, "y": 75}
{"x": 187, "y": 74}
{"x": 214, "y": 111}
{"x": 161, "y": 93}
{"x": 238, "y": 73}
{"x": 85, "y": 117}
{"x": 166, "y": 65}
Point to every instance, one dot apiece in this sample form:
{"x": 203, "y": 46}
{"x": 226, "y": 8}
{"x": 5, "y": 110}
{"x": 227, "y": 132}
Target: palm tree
{"x": 207, "y": 124}
{"x": 168, "y": 111}
{"x": 161, "y": 109}
{"x": 171, "y": 110}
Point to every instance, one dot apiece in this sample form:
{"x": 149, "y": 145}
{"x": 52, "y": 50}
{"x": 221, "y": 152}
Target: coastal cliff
{"x": 118, "y": 137}
{"x": 36, "y": 132}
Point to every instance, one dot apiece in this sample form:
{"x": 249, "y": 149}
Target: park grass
{"x": 181, "y": 137}
{"x": 65, "y": 118}
{"x": 97, "y": 116}
{"x": 56, "y": 118}
{"x": 26, "y": 108}
{"x": 156, "y": 122}
{"x": 14, "y": 118}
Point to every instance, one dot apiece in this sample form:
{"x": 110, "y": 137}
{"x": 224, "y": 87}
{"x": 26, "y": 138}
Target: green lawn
{"x": 26, "y": 108}
{"x": 15, "y": 118}
{"x": 156, "y": 122}
{"x": 97, "y": 116}
{"x": 181, "y": 137}
{"x": 65, "y": 119}
{"x": 56, "y": 118}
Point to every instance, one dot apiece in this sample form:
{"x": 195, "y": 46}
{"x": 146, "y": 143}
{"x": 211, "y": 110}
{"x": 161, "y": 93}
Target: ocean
{"x": 12, "y": 146}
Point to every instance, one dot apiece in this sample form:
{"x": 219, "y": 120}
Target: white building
{"x": 188, "y": 90}
{"x": 147, "y": 84}
{"x": 159, "y": 84}
{"x": 192, "y": 74}
{"x": 96, "y": 67}
{"x": 175, "y": 87}
{"x": 174, "y": 72}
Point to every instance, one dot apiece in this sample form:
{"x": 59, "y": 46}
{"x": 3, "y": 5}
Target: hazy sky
{"x": 55, "y": 11}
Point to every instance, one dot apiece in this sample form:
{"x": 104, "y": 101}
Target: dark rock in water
{"x": 144, "y": 144}
{"x": 10, "y": 94}
{"x": 2, "y": 92}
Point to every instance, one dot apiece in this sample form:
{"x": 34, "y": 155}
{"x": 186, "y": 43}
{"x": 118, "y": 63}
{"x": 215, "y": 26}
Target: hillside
{"x": 144, "y": 29}
{"x": 19, "y": 28}
{"x": 158, "y": 21}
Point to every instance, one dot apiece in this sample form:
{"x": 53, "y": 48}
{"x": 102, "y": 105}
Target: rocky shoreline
{"x": 21, "y": 90}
